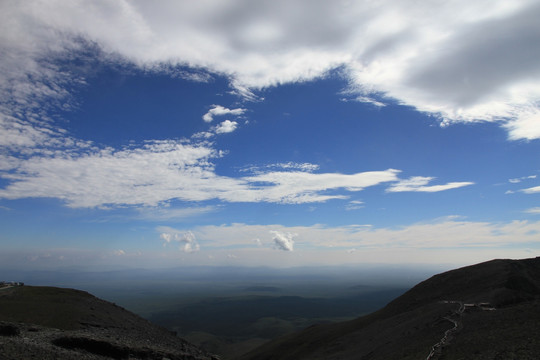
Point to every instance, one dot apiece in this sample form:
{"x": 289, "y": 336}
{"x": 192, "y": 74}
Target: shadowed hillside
{"x": 488, "y": 311}
{"x": 56, "y": 323}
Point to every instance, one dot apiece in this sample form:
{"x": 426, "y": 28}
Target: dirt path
{"x": 448, "y": 334}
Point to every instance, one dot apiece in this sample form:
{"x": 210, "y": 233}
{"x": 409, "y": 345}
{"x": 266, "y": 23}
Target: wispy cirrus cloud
{"x": 162, "y": 171}
{"x": 290, "y": 165}
{"x": 354, "y": 205}
{"x": 420, "y": 184}
{"x": 520, "y": 179}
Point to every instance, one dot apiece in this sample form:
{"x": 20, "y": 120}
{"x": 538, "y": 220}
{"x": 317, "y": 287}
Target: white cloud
{"x": 226, "y": 126}
{"x": 420, "y": 54}
{"x": 526, "y": 125}
{"x": 440, "y": 233}
{"x": 187, "y": 240}
{"x": 148, "y": 175}
{"x": 161, "y": 171}
{"x": 531, "y": 190}
{"x": 290, "y": 165}
{"x": 307, "y": 167}
{"x": 518, "y": 180}
{"x": 452, "y": 239}
{"x": 283, "y": 241}
{"x": 458, "y": 60}
{"x": 218, "y": 110}
{"x": 534, "y": 210}
{"x": 455, "y": 240}
{"x": 418, "y": 184}
{"x": 354, "y": 205}
{"x": 301, "y": 187}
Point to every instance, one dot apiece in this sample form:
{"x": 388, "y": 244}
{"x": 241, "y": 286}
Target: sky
{"x": 268, "y": 133}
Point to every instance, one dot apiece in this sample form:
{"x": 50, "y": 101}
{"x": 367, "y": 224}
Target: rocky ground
{"x": 26, "y": 341}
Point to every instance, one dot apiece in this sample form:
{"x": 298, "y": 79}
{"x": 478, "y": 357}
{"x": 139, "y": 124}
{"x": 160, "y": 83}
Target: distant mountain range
{"x": 485, "y": 311}
{"x": 56, "y": 323}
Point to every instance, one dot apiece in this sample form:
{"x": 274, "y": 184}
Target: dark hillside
{"x": 499, "y": 282}
{"x": 493, "y": 310}
{"x": 56, "y": 323}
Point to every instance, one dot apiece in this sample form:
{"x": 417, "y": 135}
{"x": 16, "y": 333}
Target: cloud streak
{"x": 419, "y": 184}
{"x": 442, "y": 233}
{"x": 531, "y": 190}
{"x": 162, "y": 171}
{"x": 518, "y": 180}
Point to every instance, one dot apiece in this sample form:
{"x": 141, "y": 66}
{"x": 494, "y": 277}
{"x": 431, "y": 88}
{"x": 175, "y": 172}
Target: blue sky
{"x": 268, "y": 133}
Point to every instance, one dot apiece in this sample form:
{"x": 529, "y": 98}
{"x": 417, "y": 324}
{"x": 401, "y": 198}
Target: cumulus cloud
{"x": 218, "y": 110}
{"x": 226, "y": 126}
{"x": 458, "y": 60}
{"x": 187, "y": 240}
{"x": 283, "y": 241}
{"x": 419, "y": 184}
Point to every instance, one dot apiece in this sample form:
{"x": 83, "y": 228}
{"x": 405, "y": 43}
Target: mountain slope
{"x": 57, "y": 323}
{"x": 409, "y": 326}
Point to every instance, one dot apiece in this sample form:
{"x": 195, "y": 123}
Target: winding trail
{"x": 445, "y": 340}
